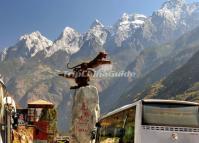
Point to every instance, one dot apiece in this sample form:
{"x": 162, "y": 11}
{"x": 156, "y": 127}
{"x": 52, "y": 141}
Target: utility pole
{"x": 3, "y": 93}
{"x": 8, "y": 129}
{"x": 9, "y": 106}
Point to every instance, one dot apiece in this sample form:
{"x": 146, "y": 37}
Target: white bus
{"x": 151, "y": 121}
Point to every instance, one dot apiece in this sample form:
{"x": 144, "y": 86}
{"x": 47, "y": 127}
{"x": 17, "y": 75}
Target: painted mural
{"x": 23, "y": 134}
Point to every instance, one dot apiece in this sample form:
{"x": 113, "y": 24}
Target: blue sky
{"x": 50, "y": 17}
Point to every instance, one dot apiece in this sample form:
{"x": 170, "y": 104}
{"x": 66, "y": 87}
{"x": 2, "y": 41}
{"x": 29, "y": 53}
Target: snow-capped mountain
{"x": 27, "y": 46}
{"x": 134, "y": 31}
{"x": 69, "y": 41}
{"x": 124, "y": 42}
{"x": 127, "y": 26}
{"x": 97, "y": 31}
{"x": 93, "y": 41}
{"x": 172, "y": 20}
{"x": 173, "y": 5}
{"x": 166, "y": 24}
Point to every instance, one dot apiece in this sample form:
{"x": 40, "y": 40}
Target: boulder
{"x": 85, "y": 113}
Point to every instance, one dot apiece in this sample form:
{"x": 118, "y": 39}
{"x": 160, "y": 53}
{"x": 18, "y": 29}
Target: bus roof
{"x": 147, "y": 101}
{"x": 119, "y": 110}
{"x": 169, "y": 101}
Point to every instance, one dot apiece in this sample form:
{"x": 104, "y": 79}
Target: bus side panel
{"x": 149, "y": 136}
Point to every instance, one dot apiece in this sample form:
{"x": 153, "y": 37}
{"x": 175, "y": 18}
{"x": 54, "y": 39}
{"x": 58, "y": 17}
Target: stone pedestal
{"x": 85, "y": 113}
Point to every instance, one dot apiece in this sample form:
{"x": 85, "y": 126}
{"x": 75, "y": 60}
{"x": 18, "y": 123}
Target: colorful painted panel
{"x": 41, "y": 132}
{"x": 23, "y": 134}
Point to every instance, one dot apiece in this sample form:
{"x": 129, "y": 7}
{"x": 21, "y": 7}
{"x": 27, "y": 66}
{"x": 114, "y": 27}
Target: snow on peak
{"x": 96, "y": 23}
{"x": 97, "y": 32}
{"x": 29, "y": 45}
{"x": 69, "y": 41}
{"x": 3, "y": 54}
{"x": 125, "y": 17}
{"x": 132, "y": 17}
{"x": 67, "y": 31}
{"x": 35, "y": 39}
{"x": 173, "y": 4}
{"x": 127, "y": 24}
{"x": 173, "y": 11}
{"x": 193, "y": 8}
{"x": 33, "y": 35}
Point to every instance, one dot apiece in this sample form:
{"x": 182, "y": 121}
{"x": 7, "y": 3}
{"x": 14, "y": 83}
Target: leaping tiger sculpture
{"x": 84, "y": 71}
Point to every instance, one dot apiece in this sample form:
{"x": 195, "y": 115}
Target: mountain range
{"x": 160, "y": 49}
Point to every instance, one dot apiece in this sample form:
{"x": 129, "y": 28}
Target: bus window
{"x": 118, "y": 128}
{"x": 177, "y": 115}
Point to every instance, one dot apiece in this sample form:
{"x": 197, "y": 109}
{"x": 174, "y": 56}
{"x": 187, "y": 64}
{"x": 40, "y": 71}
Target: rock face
{"x": 27, "y": 46}
{"x": 69, "y": 41}
{"x": 85, "y": 113}
{"x": 127, "y": 26}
